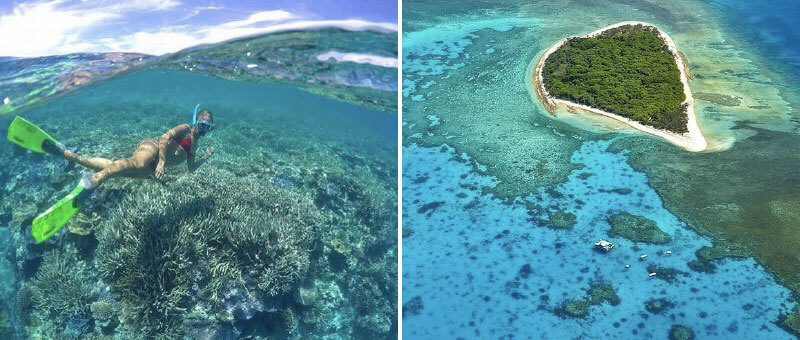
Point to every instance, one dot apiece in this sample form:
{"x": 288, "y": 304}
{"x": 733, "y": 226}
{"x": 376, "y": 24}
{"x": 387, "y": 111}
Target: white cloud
{"x": 39, "y": 28}
{"x": 141, "y": 5}
{"x": 258, "y": 17}
{"x": 197, "y": 11}
{"x": 54, "y": 27}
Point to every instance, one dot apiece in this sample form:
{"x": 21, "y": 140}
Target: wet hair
{"x": 206, "y": 112}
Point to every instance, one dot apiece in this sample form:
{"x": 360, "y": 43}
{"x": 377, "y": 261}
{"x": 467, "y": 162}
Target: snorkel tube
{"x": 194, "y": 117}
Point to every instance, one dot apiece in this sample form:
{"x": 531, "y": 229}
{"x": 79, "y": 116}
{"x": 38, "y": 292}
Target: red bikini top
{"x": 186, "y": 144}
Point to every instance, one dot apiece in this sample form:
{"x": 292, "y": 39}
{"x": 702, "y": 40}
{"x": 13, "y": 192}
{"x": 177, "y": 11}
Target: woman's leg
{"x": 94, "y": 163}
{"x": 136, "y": 166}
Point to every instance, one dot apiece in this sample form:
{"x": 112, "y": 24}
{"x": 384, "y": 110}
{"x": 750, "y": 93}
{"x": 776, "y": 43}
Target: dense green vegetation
{"x": 627, "y": 70}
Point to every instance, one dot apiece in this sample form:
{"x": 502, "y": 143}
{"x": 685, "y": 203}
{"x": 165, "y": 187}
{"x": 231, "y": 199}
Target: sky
{"x": 50, "y": 27}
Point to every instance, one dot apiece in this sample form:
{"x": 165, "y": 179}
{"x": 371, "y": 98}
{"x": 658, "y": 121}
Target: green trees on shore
{"x": 627, "y": 70}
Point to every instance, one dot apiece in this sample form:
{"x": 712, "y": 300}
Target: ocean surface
{"x": 502, "y": 204}
{"x": 288, "y": 231}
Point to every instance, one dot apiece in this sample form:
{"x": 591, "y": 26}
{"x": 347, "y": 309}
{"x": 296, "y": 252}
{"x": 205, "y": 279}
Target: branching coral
{"x": 258, "y": 235}
{"x": 62, "y": 286}
{"x": 144, "y": 255}
{"x": 215, "y": 232}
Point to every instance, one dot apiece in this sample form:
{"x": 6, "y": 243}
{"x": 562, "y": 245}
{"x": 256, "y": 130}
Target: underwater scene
{"x": 287, "y": 231}
{"x": 519, "y": 225}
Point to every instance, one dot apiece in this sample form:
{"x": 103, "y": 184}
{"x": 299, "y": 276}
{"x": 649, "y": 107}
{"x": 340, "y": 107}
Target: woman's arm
{"x": 174, "y": 133}
{"x": 193, "y": 164}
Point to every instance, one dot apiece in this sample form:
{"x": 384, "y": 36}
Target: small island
{"x": 630, "y": 72}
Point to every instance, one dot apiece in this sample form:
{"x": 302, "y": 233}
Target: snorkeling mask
{"x": 203, "y": 126}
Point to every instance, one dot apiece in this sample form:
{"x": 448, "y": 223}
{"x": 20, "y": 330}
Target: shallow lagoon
{"x": 488, "y": 269}
{"x": 466, "y": 88}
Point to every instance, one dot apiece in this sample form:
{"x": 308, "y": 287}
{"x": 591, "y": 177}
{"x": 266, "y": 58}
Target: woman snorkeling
{"x": 151, "y": 155}
{"x": 149, "y": 159}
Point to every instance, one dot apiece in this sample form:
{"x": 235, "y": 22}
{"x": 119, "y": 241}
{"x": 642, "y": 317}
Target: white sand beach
{"x": 692, "y": 140}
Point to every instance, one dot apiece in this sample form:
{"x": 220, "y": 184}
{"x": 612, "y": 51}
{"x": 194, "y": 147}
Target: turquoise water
{"x": 501, "y": 275}
{"x": 489, "y": 177}
{"x": 289, "y": 231}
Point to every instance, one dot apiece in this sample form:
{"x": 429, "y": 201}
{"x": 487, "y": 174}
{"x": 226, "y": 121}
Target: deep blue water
{"x": 771, "y": 26}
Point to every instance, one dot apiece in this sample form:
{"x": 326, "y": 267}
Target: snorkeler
{"x": 149, "y": 159}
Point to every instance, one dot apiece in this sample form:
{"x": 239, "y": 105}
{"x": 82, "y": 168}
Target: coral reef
{"x": 658, "y": 306}
{"x": 24, "y": 213}
{"x": 319, "y": 312}
{"x": 718, "y": 98}
{"x": 6, "y": 329}
{"x": 679, "y": 332}
{"x": 215, "y": 235}
{"x": 55, "y": 302}
{"x": 665, "y": 273}
{"x": 574, "y": 309}
{"x": 720, "y": 249}
{"x": 598, "y": 293}
{"x": 603, "y": 293}
{"x": 62, "y": 287}
{"x": 283, "y": 234}
{"x": 560, "y": 219}
{"x": 637, "y": 229}
{"x": 82, "y": 224}
{"x": 413, "y": 306}
{"x": 791, "y": 321}
{"x": 289, "y": 320}
{"x": 23, "y": 303}
{"x": 104, "y": 313}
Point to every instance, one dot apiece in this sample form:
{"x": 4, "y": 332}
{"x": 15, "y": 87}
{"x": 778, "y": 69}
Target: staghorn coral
{"x": 62, "y": 287}
{"x": 143, "y": 254}
{"x": 202, "y": 237}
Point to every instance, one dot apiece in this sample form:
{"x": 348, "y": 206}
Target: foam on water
{"x": 465, "y": 257}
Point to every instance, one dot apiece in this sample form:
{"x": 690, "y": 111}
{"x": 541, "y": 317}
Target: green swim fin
{"x": 51, "y": 220}
{"x": 31, "y": 137}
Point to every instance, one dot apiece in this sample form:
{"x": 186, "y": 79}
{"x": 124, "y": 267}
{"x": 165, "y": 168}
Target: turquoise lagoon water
{"x": 485, "y": 270}
{"x": 289, "y": 231}
{"x": 485, "y": 169}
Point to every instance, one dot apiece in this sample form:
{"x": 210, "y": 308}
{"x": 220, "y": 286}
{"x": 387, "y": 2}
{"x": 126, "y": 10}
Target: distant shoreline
{"x": 693, "y": 140}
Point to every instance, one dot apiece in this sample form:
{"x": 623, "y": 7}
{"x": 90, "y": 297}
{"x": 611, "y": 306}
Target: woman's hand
{"x": 160, "y": 169}
{"x": 209, "y": 151}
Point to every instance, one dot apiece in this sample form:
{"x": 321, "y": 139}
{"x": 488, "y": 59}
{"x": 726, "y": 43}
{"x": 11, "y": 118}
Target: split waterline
{"x": 299, "y": 187}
